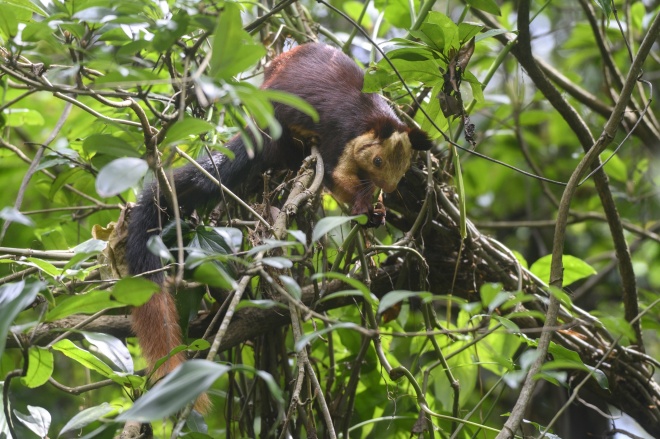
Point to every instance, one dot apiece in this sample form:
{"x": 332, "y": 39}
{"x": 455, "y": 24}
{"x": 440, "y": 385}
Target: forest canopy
{"x": 511, "y": 291}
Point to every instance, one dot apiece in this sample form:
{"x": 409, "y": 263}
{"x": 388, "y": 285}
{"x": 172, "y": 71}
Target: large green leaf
{"x": 14, "y": 298}
{"x": 86, "y": 417}
{"x": 393, "y": 297}
{"x": 171, "y": 30}
{"x": 496, "y": 350}
{"x": 173, "y": 392}
{"x": 213, "y": 274}
{"x": 15, "y": 216}
{"x": 134, "y": 291}
{"x": 40, "y": 367}
{"x": 120, "y": 175}
{"x": 88, "y": 303}
{"x": 109, "y": 145}
{"x": 38, "y": 421}
{"x": 485, "y": 5}
{"x": 111, "y": 348}
{"x": 233, "y": 48}
{"x": 325, "y": 225}
{"x": 84, "y": 357}
{"x": 574, "y": 269}
{"x": 25, "y": 4}
{"x": 185, "y": 128}
{"x": 8, "y": 22}
{"x": 18, "y": 117}
{"x": 397, "y": 12}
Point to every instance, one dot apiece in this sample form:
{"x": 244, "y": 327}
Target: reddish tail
{"x": 156, "y": 324}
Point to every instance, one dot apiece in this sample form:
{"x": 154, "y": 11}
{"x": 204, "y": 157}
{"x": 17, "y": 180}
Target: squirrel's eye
{"x": 378, "y": 162}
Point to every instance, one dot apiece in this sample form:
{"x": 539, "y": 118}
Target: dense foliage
{"x": 513, "y": 291}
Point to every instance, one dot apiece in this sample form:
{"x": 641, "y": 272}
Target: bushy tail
{"x": 156, "y": 323}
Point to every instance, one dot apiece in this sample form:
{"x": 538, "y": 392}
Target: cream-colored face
{"x": 367, "y": 162}
{"x": 383, "y": 161}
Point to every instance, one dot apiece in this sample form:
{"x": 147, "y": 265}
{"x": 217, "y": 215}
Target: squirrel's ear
{"x": 419, "y": 140}
{"x": 383, "y": 127}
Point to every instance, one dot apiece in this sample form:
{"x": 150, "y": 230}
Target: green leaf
{"x": 8, "y": 22}
{"x": 195, "y": 422}
{"x": 299, "y": 236}
{"x": 40, "y": 367}
{"x": 198, "y": 345}
{"x": 183, "y": 129}
{"x": 291, "y": 286}
{"x": 14, "y": 298}
{"x": 170, "y": 30}
{"x": 156, "y": 246}
{"x": 260, "y": 304}
{"x": 362, "y": 288}
{"x": 567, "y": 359}
{"x": 120, "y": 175}
{"x": 599, "y": 376}
{"x": 270, "y": 244}
{"x": 95, "y": 14}
{"x": 109, "y": 145}
{"x": 85, "y": 251}
{"x": 231, "y": 237}
{"x": 88, "y": 303}
{"x": 468, "y": 30}
{"x": 86, "y": 417}
{"x": 210, "y": 241}
{"x": 393, "y": 297}
{"x": 508, "y": 324}
{"x": 127, "y": 77}
{"x": 617, "y": 326}
{"x": 277, "y": 262}
{"x": 307, "y": 338}
{"x": 27, "y": 5}
{"x": 460, "y": 188}
{"x": 486, "y": 5}
{"x": 489, "y": 33}
{"x": 329, "y": 223}
{"x": 354, "y": 10}
{"x": 233, "y": 48}
{"x": 40, "y": 32}
{"x": 415, "y": 64}
{"x": 44, "y": 266}
{"x": 497, "y": 349}
{"x": 606, "y": 6}
{"x": 574, "y": 269}
{"x": 615, "y": 167}
{"x": 134, "y": 291}
{"x": 18, "y": 117}
{"x": 397, "y": 12}
{"x": 173, "y": 392}
{"x": 38, "y": 421}
{"x": 111, "y": 348}
{"x": 489, "y": 292}
{"x": 67, "y": 176}
{"x": 637, "y": 12}
{"x": 433, "y": 108}
{"x": 449, "y": 30}
{"x": 15, "y": 216}
{"x": 343, "y": 293}
{"x": 432, "y": 35}
{"x": 213, "y": 274}
{"x": 84, "y": 357}
{"x": 562, "y": 296}
{"x": 292, "y": 101}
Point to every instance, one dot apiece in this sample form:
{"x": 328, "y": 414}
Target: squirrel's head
{"x": 384, "y": 152}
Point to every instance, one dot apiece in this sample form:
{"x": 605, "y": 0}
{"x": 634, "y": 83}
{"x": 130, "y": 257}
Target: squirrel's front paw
{"x": 376, "y": 215}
